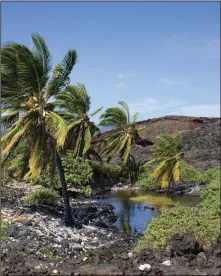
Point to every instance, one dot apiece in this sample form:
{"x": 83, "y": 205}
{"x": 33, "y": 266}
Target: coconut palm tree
{"x": 74, "y": 106}
{"x": 120, "y": 140}
{"x": 167, "y": 156}
{"x": 27, "y": 86}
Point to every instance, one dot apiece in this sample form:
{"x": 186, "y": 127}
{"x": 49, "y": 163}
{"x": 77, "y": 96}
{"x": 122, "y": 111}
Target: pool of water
{"x": 133, "y": 211}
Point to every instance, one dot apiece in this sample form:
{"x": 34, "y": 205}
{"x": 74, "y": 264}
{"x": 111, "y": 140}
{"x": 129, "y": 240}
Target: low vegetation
{"x": 147, "y": 183}
{"x": 42, "y": 196}
{"x": 78, "y": 174}
{"x": 46, "y": 252}
{"x": 110, "y": 171}
{"x": 202, "y": 220}
{"x": 3, "y": 231}
{"x": 191, "y": 174}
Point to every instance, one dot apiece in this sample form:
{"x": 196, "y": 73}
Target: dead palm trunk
{"x": 68, "y": 220}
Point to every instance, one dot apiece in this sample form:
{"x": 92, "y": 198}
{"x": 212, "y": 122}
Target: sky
{"x": 161, "y": 58}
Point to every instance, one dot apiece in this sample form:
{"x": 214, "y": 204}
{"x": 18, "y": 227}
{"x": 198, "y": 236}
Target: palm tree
{"x": 167, "y": 155}
{"x": 28, "y": 84}
{"x": 74, "y": 106}
{"x": 120, "y": 140}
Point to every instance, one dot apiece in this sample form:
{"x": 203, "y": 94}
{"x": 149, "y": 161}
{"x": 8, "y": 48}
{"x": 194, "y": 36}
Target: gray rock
{"x": 124, "y": 256}
{"x": 97, "y": 259}
{"x": 22, "y": 233}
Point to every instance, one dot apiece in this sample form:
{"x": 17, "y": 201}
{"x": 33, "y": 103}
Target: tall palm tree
{"x": 120, "y": 140}
{"x": 167, "y": 157}
{"x": 28, "y": 83}
{"x": 74, "y": 106}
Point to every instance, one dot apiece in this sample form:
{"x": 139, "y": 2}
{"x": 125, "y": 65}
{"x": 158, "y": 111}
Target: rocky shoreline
{"x": 39, "y": 244}
{"x": 193, "y": 189}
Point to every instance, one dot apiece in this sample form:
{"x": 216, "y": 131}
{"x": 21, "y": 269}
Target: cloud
{"x": 168, "y": 81}
{"x": 203, "y": 110}
{"x": 146, "y": 105}
{"x": 119, "y": 85}
{"x": 128, "y": 76}
{"x": 122, "y": 78}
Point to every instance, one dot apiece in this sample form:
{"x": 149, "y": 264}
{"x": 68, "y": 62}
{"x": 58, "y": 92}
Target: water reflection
{"x": 134, "y": 210}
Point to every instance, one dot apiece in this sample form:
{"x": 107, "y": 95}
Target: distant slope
{"x": 201, "y": 138}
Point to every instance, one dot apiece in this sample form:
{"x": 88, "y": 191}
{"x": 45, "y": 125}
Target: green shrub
{"x": 190, "y": 174}
{"x": 49, "y": 254}
{"x": 211, "y": 174}
{"x": 3, "y": 231}
{"x": 110, "y": 171}
{"x": 87, "y": 191}
{"x": 147, "y": 183}
{"x": 78, "y": 173}
{"x": 42, "y": 196}
{"x": 203, "y": 221}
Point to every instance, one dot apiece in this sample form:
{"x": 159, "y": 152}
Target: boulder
{"x": 185, "y": 245}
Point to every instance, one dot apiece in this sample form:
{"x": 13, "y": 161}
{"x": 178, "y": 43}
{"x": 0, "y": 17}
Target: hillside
{"x": 201, "y": 138}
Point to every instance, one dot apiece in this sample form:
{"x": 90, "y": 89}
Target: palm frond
{"x": 66, "y": 115}
{"x": 126, "y": 108}
{"x": 127, "y": 151}
{"x": 57, "y": 127}
{"x": 43, "y": 60}
{"x": 135, "y": 117}
{"x": 96, "y": 111}
{"x": 165, "y": 179}
{"x": 73, "y": 124}
{"x": 36, "y": 156}
{"x": 87, "y": 140}
{"x": 77, "y": 145}
{"x": 8, "y": 119}
{"x": 15, "y": 139}
{"x": 60, "y": 79}
{"x": 176, "y": 171}
{"x": 114, "y": 116}
{"x": 8, "y": 136}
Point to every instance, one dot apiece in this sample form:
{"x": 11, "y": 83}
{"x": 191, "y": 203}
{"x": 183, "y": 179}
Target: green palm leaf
{"x": 87, "y": 140}
{"x": 96, "y": 111}
{"x": 135, "y": 117}
{"x": 127, "y": 151}
{"x": 126, "y": 108}
{"x": 57, "y": 127}
{"x": 60, "y": 79}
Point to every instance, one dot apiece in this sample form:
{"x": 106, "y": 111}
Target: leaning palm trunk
{"x": 81, "y": 147}
{"x": 130, "y": 170}
{"x": 52, "y": 169}
{"x": 68, "y": 220}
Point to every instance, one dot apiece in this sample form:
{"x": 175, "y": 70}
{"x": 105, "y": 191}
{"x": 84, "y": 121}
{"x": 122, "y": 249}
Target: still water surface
{"x": 131, "y": 206}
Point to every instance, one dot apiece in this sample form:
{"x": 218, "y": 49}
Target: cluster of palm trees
{"x": 47, "y": 116}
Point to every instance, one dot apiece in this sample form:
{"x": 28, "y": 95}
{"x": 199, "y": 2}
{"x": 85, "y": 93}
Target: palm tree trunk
{"x": 129, "y": 168}
{"x": 81, "y": 147}
{"x": 52, "y": 171}
{"x": 170, "y": 186}
{"x": 68, "y": 220}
